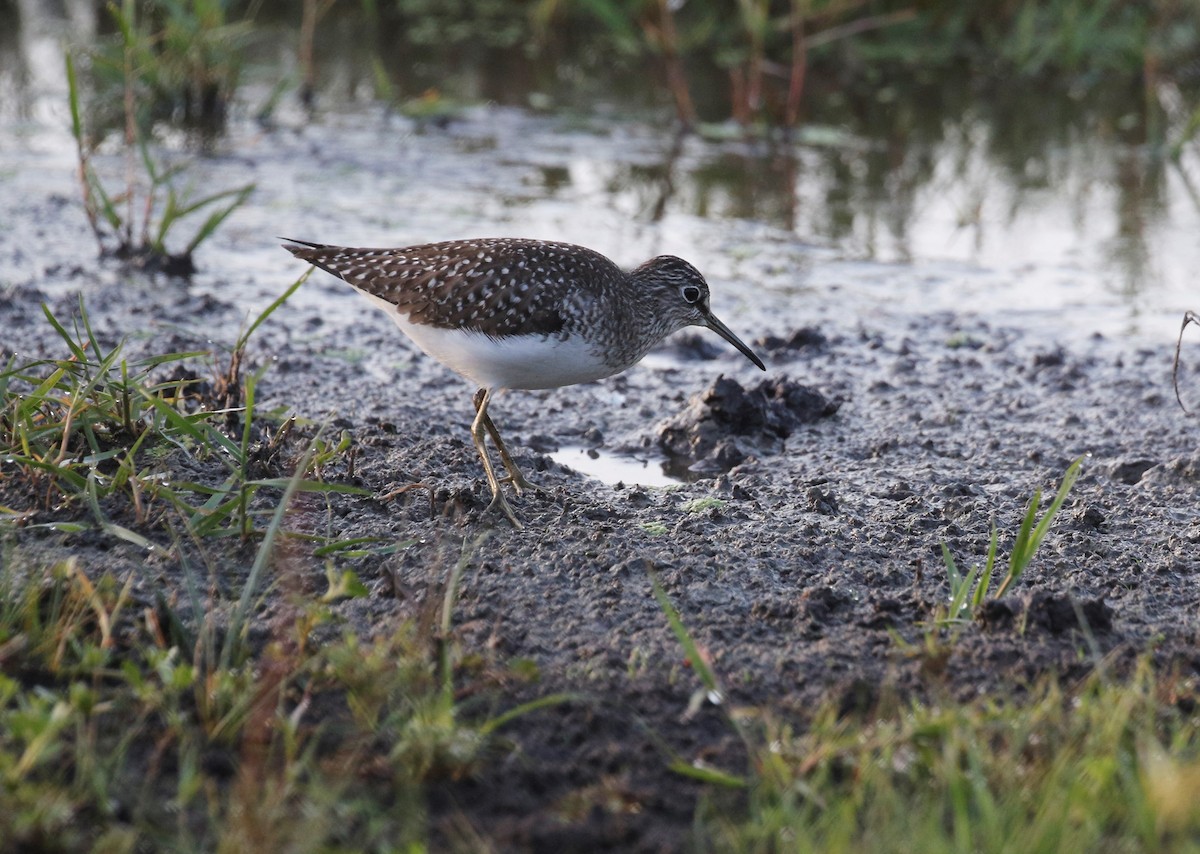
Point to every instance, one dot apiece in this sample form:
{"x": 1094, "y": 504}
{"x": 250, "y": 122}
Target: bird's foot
{"x": 499, "y": 502}
{"x": 520, "y": 483}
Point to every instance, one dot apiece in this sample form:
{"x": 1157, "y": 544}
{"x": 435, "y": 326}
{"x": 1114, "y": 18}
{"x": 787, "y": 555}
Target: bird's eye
{"x": 691, "y": 294}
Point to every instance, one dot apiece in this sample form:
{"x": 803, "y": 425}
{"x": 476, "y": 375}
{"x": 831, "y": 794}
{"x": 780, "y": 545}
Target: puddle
{"x": 614, "y": 468}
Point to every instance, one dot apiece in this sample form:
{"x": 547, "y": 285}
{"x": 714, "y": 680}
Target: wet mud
{"x": 803, "y": 550}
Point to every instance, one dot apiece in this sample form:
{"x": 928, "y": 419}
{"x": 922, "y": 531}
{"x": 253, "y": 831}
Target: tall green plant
{"x": 138, "y": 223}
{"x": 187, "y": 55}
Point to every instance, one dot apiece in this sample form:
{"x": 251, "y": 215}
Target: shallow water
{"x": 1034, "y": 210}
{"x": 616, "y": 469}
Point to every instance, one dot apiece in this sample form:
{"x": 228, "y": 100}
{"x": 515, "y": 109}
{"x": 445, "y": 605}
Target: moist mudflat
{"x": 801, "y": 542}
{"x": 802, "y": 549}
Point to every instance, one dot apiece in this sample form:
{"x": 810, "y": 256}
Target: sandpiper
{"x": 507, "y": 313}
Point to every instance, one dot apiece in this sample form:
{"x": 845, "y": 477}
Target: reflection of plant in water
{"x": 766, "y": 48}
{"x": 751, "y": 41}
{"x": 313, "y": 12}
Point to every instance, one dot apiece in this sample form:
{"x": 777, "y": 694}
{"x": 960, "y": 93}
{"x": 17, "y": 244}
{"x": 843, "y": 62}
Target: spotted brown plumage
{"x": 498, "y": 286}
{"x": 512, "y": 313}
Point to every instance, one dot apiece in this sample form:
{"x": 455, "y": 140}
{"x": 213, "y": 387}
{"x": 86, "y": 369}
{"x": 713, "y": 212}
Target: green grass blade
{"x": 1030, "y": 537}
{"x": 108, "y": 208}
{"x": 123, "y": 17}
{"x": 218, "y": 216}
{"x": 191, "y": 207}
{"x": 66, "y": 336}
{"x": 307, "y": 485}
{"x": 985, "y": 580}
{"x": 961, "y": 593}
{"x": 699, "y": 662}
{"x": 74, "y": 479}
{"x": 73, "y": 100}
{"x": 34, "y": 399}
{"x": 1068, "y": 481}
{"x": 711, "y": 776}
{"x": 148, "y": 162}
{"x": 951, "y": 567}
{"x": 237, "y": 619}
{"x": 445, "y": 664}
{"x": 91, "y": 336}
{"x": 1190, "y": 131}
{"x": 123, "y": 533}
{"x": 219, "y": 509}
{"x": 166, "y": 220}
{"x": 194, "y": 426}
{"x": 154, "y": 361}
{"x": 247, "y": 419}
{"x": 61, "y": 527}
{"x": 490, "y": 726}
{"x": 118, "y": 531}
{"x": 346, "y": 545}
{"x": 1019, "y": 558}
{"x": 270, "y": 309}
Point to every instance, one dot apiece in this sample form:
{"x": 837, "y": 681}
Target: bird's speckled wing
{"x": 498, "y": 286}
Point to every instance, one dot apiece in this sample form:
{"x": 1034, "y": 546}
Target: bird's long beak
{"x": 723, "y": 330}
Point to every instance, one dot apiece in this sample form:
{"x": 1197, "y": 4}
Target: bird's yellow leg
{"x": 479, "y": 426}
{"x": 519, "y": 481}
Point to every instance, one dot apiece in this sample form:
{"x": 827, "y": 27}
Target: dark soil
{"x": 836, "y": 480}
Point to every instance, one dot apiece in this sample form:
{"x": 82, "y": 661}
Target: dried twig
{"x": 1188, "y": 317}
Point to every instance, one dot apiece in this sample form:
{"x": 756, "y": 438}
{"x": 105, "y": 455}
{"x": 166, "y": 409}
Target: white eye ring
{"x": 690, "y": 293}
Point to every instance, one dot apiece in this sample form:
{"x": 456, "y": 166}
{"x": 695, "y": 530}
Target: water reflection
{"x": 32, "y": 73}
{"x": 1066, "y": 190}
{"x": 616, "y": 469}
{"x": 1041, "y": 179}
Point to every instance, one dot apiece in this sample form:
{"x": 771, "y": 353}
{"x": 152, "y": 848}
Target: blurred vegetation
{"x": 186, "y": 56}
{"x": 766, "y": 47}
{"x": 1050, "y": 36}
{"x": 1105, "y": 765}
{"x": 745, "y": 59}
{"x": 440, "y": 23}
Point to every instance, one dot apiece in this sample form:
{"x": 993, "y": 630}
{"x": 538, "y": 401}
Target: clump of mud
{"x": 1056, "y": 613}
{"x": 727, "y": 422}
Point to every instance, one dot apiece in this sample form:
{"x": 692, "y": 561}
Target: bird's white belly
{"x": 524, "y": 361}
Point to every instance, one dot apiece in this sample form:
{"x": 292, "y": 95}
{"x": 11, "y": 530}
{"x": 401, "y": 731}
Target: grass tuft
{"x": 1103, "y": 767}
{"x": 286, "y": 744}
{"x": 968, "y": 592}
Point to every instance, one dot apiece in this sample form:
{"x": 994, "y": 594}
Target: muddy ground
{"x": 837, "y": 475}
